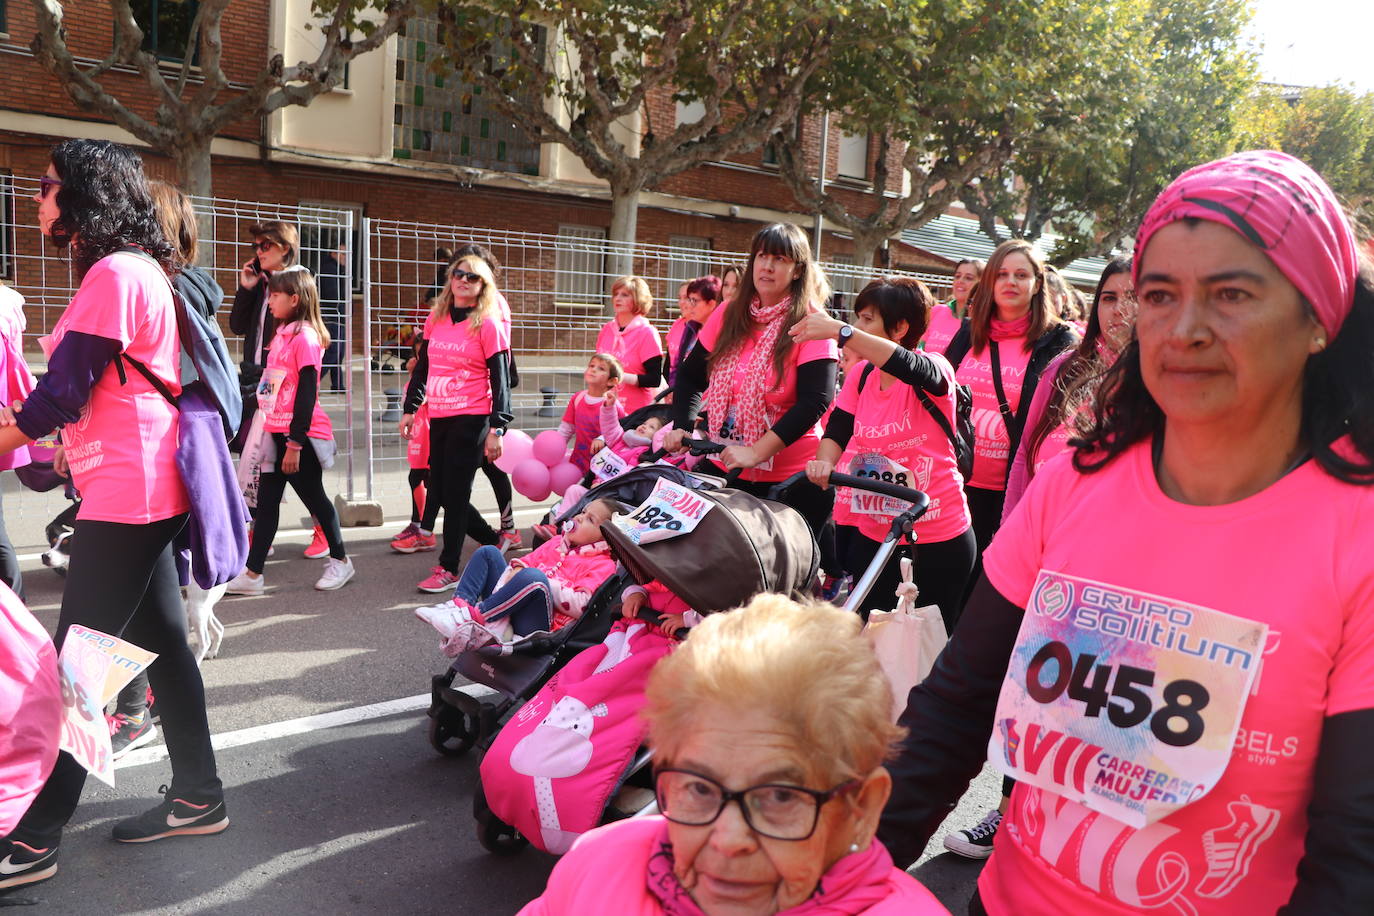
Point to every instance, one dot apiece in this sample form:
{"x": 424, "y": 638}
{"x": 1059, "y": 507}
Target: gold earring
{"x": 1321, "y": 343}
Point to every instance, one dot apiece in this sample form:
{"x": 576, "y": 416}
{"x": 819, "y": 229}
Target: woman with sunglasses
{"x": 461, "y": 376}
{"x": 275, "y": 245}
{"x": 1172, "y": 650}
{"x": 120, "y": 439}
{"x": 768, "y": 729}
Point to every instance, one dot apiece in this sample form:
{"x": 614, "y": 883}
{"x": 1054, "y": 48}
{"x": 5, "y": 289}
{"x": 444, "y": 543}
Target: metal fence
{"x": 558, "y": 287}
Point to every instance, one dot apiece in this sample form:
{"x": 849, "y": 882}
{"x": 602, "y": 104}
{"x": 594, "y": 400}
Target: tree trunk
{"x": 192, "y": 158}
{"x": 866, "y": 244}
{"x": 624, "y": 224}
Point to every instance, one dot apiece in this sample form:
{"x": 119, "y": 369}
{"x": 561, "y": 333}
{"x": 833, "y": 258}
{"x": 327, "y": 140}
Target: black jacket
{"x": 199, "y": 289}
{"x": 250, "y": 308}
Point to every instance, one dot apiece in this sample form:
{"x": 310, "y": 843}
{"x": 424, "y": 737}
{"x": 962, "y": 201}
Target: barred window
{"x": 580, "y": 266}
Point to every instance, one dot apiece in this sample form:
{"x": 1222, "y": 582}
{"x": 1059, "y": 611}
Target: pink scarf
{"x": 852, "y": 885}
{"x": 751, "y": 419}
{"x": 1009, "y": 330}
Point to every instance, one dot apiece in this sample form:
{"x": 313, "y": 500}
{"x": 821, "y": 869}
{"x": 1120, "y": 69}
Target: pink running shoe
{"x": 509, "y": 540}
{"x": 319, "y": 547}
{"x": 440, "y": 580}
{"x": 413, "y": 541}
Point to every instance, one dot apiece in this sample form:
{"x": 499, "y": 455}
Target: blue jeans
{"x": 525, "y": 598}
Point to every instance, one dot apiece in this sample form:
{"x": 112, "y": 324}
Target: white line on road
{"x": 289, "y": 727}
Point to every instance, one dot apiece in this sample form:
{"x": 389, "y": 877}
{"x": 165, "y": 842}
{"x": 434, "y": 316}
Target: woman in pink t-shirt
{"x": 302, "y": 436}
{"x": 1012, "y": 335}
{"x": 946, "y": 320}
{"x": 630, "y": 338}
{"x": 885, "y": 417}
{"x": 461, "y": 373}
{"x": 120, "y": 438}
{"x": 1172, "y": 650}
{"x": 763, "y": 392}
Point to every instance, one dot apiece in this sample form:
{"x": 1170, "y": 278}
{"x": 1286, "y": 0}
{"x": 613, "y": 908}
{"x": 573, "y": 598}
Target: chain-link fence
{"x": 558, "y": 287}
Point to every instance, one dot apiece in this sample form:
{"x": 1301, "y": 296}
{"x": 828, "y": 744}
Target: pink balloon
{"x": 531, "y": 479}
{"x": 551, "y": 448}
{"x": 563, "y": 476}
{"x": 515, "y": 448}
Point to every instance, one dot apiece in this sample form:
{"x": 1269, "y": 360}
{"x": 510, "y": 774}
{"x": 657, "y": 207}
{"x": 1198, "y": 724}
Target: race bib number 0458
{"x": 1124, "y": 701}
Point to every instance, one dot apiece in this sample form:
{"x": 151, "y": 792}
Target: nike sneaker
{"x": 174, "y": 817}
{"x": 23, "y": 864}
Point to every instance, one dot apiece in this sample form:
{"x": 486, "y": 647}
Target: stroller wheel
{"x": 496, "y": 836}
{"x": 451, "y": 733}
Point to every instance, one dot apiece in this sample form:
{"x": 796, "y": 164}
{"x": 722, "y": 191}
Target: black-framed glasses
{"x": 265, "y": 245}
{"x": 46, "y": 185}
{"x": 465, "y": 275}
{"x": 777, "y": 810}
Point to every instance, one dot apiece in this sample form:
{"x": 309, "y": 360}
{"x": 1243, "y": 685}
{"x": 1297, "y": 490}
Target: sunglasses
{"x": 464, "y": 275}
{"x": 46, "y": 184}
{"x": 264, "y": 245}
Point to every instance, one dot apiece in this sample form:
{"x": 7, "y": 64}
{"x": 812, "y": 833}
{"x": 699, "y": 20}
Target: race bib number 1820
{"x": 1124, "y": 701}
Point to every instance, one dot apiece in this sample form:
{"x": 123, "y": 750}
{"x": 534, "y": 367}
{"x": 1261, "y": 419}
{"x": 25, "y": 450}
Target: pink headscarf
{"x": 1281, "y": 205}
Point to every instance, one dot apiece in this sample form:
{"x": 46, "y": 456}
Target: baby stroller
{"x": 556, "y": 775}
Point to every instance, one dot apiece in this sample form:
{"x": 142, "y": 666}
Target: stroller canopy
{"x": 743, "y": 546}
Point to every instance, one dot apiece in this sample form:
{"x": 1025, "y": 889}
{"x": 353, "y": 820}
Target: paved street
{"x": 347, "y": 812}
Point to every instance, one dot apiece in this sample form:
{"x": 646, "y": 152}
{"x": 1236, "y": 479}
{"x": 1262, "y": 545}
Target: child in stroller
{"x": 542, "y": 591}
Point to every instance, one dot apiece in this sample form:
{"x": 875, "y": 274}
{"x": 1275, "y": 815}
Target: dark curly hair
{"x": 1337, "y": 400}
{"x": 105, "y": 204}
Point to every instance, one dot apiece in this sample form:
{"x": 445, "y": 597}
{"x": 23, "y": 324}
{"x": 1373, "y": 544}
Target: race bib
{"x": 670, "y": 511}
{"x": 607, "y": 465}
{"x": 93, "y": 667}
{"x": 1123, "y": 701}
{"x": 878, "y": 467}
{"x": 268, "y": 387}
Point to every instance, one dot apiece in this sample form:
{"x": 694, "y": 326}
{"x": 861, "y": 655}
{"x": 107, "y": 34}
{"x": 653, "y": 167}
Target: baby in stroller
{"x": 543, "y": 590}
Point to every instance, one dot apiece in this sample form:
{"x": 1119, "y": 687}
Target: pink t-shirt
{"x": 895, "y": 435}
{"x": 633, "y": 346}
{"x": 1236, "y": 848}
{"x": 674, "y": 338}
{"x": 780, "y": 397}
{"x": 459, "y": 383}
{"x": 122, "y": 449}
{"x": 296, "y": 346}
{"x": 941, "y": 330}
{"x": 583, "y": 414}
{"x": 991, "y": 449}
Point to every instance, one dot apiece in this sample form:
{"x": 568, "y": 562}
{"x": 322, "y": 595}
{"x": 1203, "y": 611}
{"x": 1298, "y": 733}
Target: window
{"x": 442, "y": 119}
{"x": 4, "y": 16}
{"x": 843, "y": 276}
{"x": 770, "y": 154}
{"x": 689, "y": 259}
{"x": 853, "y": 158}
{"x": 690, "y": 112}
{"x": 322, "y": 227}
{"x": 166, "y": 26}
{"x": 7, "y": 265}
{"x": 579, "y": 266}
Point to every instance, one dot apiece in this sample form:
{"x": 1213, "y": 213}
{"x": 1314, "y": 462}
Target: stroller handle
{"x": 919, "y": 500}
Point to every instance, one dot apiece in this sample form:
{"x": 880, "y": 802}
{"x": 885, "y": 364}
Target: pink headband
{"x": 1279, "y": 204}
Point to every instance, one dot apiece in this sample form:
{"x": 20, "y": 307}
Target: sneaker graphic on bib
{"x": 1231, "y": 848}
{"x": 174, "y": 817}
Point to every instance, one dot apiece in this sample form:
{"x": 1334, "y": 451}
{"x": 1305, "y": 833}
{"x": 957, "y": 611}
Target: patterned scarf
{"x": 751, "y": 418}
{"x": 852, "y": 885}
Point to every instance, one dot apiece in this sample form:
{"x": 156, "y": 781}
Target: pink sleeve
{"x": 813, "y": 350}
{"x": 429, "y": 323}
{"x": 848, "y": 398}
{"x": 1351, "y": 684}
{"x": 647, "y": 343}
{"x": 570, "y": 412}
{"x": 494, "y": 338}
{"x": 710, "y": 331}
{"x": 603, "y": 341}
{"x": 1018, "y": 478}
{"x": 111, "y": 301}
{"x": 610, "y": 423}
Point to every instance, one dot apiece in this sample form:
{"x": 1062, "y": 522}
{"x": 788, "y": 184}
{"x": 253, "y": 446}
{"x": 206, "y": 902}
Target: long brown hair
{"x": 297, "y": 281}
{"x": 809, "y": 285}
{"x": 178, "y": 219}
{"x": 982, "y": 308}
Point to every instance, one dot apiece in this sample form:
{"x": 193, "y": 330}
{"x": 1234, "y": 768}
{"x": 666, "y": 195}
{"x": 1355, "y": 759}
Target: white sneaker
{"x": 245, "y": 584}
{"x": 444, "y": 617}
{"x": 336, "y": 573}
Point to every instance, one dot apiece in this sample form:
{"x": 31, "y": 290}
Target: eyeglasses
{"x": 264, "y": 245}
{"x": 776, "y": 810}
{"x": 46, "y": 184}
{"x": 464, "y": 275}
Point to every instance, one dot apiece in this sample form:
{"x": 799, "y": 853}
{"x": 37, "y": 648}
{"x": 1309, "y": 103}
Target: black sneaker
{"x": 975, "y": 842}
{"x": 127, "y": 734}
{"x": 23, "y": 864}
{"x": 174, "y": 817}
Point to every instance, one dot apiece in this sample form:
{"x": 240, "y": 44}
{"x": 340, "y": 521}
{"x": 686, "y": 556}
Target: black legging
{"x": 308, "y": 482}
{"x": 418, "y": 477}
{"x": 986, "y": 508}
{"x": 122, "y": 580}
{"x": 501, "y": 489}
{"x": 940, "y": 570}
{"x": 478, "y": 529}
{"x": 456, "y": 450}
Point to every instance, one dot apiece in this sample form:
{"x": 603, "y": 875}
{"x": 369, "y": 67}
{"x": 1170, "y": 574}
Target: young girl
{"x": 582, "y": 418}
{"x": 462, "y": 374}
{"x": 630, "y": 338}
{"x": 544, "y": 590}
{"x": 629, "y": 444}
{"x": 302, "y": 438}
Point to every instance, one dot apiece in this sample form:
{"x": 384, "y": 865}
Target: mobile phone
{"x": 257, "y": 266}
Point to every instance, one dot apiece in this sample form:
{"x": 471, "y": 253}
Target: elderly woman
{"x": 1173, "y": 646}
{"x": 764, "y": 392}
{"x": 768, "y": 729}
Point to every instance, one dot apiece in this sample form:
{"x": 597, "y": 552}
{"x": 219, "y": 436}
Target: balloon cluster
{"x": 538, "y": 466}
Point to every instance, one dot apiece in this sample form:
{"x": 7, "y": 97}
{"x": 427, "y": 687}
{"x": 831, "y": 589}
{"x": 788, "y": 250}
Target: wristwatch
{"x": 846, "y": 332}
{"x": 499, "y": 431}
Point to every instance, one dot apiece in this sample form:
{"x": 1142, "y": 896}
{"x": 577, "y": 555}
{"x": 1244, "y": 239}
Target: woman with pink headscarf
{"x": 1172, "y": 646}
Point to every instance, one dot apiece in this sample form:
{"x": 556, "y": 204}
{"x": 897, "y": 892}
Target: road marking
{"x": 289, "y": 727}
